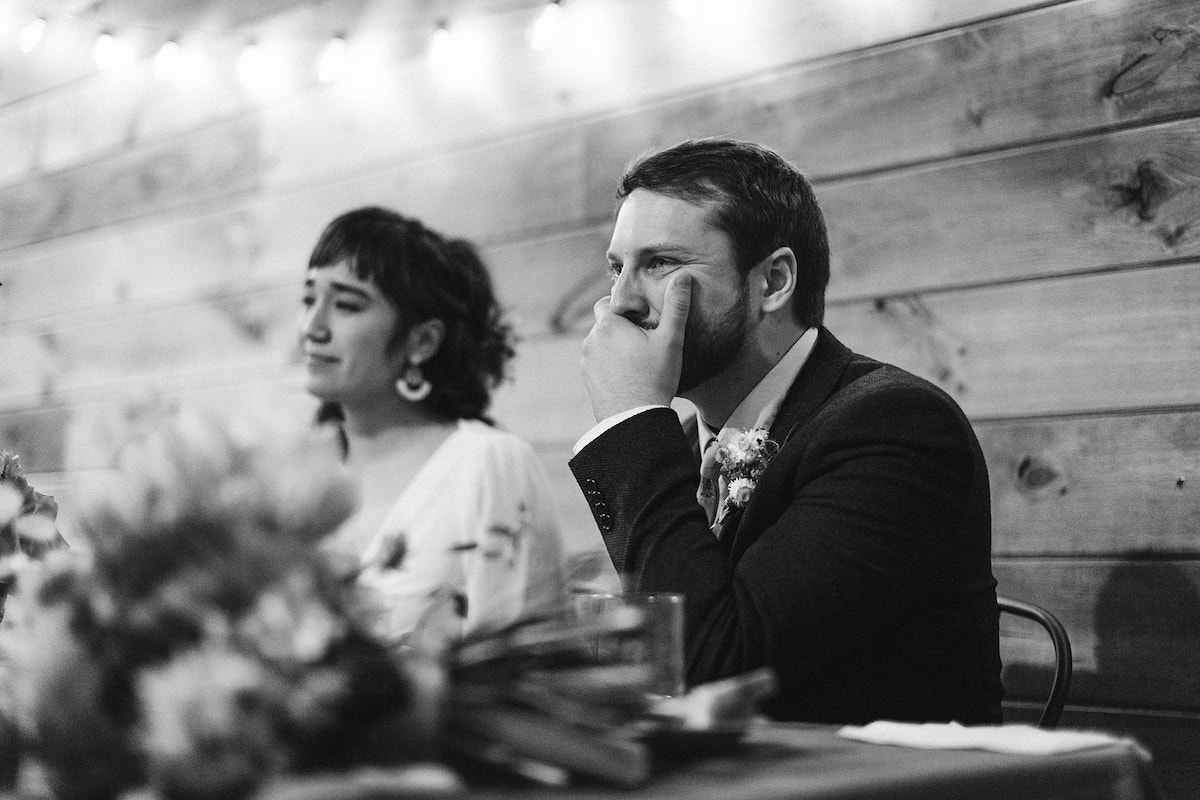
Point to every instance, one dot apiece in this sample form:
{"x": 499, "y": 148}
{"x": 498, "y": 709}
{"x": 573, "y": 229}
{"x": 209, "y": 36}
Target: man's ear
{"x": 778, "y": 280}
{"x": 423, "y": 340}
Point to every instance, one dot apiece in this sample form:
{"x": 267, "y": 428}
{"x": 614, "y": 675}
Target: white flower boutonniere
{"x": 743, "y": 457}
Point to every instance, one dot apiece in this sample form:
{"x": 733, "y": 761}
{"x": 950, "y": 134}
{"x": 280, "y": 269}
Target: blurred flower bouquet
{"x": 198, "y": 644}
{"x": 27, "y": 529}
{"x": 196, "y": 641}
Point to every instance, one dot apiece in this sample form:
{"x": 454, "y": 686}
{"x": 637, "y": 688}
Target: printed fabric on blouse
{"x": 471, "y": 544}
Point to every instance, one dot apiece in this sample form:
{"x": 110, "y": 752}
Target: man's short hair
{"x": 759, "y": 200}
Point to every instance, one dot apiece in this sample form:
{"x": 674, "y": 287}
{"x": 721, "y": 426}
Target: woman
{"x": 403, "y": 341}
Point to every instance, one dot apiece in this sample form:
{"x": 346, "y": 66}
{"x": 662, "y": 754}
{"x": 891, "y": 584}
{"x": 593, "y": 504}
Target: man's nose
{"x": 628, "y": 298}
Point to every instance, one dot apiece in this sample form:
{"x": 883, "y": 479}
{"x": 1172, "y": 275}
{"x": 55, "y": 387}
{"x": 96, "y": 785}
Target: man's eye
{"x": 351, "y": 307}
{"x": 614, "y": 271}
{"x": 659, "y": 263}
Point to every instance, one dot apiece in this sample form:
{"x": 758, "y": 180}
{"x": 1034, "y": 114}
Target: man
{"x": 857, "y": 564}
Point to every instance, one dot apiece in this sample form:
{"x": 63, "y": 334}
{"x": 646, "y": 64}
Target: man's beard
{"x": 710, "y": 346}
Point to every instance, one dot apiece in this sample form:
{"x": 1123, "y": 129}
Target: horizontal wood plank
{"x": 1134, "y": 627}
{"x": 1111, "y": 199}
{"x": 1115, "y": 199}
{"x": 1090, "y": 343}
{"x": 1104, "y": 342}
{"x": 219, "y": 161}
{"x": 1105, "y": 485}
{"x": 1121, "y": 474}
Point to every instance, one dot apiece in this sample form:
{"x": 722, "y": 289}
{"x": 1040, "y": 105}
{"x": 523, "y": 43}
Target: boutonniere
{"x": 743, "y": 457}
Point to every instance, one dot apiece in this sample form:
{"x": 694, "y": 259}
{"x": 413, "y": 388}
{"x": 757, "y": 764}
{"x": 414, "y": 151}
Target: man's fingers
{"x": 600, "y": 308}
{"x": 676, "y": 303}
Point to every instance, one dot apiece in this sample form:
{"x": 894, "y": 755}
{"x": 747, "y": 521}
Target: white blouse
{"x": 476, "y": 527}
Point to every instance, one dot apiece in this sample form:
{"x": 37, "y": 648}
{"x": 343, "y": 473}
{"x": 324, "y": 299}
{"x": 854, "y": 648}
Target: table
{"x": 806, "y": 762}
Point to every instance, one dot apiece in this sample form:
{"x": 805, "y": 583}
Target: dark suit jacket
{"x": 861, "y": 567}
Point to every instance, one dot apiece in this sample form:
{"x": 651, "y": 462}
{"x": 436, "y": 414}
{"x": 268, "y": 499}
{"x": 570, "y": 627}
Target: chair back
{"x": 1062, "y": 654}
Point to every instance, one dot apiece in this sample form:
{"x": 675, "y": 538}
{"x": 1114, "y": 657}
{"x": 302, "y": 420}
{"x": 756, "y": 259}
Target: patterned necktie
{"x": 708, "y": 494}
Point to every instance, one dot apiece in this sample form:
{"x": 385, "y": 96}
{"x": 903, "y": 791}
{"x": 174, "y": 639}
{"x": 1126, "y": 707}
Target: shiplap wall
{"x": 1014, "y": 207}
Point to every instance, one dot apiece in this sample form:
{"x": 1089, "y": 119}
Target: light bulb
{"x": 441, "y": 43}
{"x": 250, "y": 65}
{"x": 110, "y": 52}
{"x": 31, "y": 35}
{"x": 104, "y": 51}
{"x": 542, "y": 33}
{"x": 333, "y": 60}
{"x": 166, "y": 60}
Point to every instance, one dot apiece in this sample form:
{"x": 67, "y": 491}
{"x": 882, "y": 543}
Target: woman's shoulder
{"x": 497, "y": 461}
{"x": 487, "y": 441}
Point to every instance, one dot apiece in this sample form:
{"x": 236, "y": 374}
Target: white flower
{"x": 36, "y": 528}
{"x": 10, "y": 503}
{"x": 740, "y": 490}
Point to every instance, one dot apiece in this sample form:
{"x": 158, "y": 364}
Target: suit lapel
{"x": 816, "y": 383}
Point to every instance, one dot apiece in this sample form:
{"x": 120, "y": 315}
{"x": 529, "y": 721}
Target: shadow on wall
{"x": 1148, "y": 636}
{"x": 1146, "y": 645}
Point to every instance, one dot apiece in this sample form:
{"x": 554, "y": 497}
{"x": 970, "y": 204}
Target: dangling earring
{"x": 413, "y": 385}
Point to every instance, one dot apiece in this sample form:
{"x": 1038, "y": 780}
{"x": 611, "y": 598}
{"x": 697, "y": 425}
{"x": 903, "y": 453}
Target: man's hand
{"x": 626, "y": 365}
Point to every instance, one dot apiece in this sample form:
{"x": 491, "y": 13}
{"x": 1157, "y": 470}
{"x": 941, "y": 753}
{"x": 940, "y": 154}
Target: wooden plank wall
{"x": 1014, "y": 207}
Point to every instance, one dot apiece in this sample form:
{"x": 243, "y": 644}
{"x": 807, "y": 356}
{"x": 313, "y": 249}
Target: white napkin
{"x": 953, "y": 736}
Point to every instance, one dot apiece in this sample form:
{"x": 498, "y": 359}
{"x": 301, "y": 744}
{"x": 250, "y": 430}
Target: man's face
{"x": 656, "y": 235}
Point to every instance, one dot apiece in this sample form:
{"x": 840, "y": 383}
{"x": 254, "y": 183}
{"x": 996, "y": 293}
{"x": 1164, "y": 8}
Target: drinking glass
{"x": 657, "y": 642}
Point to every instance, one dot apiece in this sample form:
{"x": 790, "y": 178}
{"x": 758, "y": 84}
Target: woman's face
{"x": 346, "y": 329}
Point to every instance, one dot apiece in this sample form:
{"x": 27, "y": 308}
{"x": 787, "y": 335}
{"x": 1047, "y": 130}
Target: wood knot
{"x": 1040, "y": 474}
{"x": 1145, "y": 192}
{"x": 976, "y": 114}
{"x": 1169, "y": 47}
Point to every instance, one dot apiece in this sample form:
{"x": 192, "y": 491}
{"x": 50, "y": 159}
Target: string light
{"x": 102, "y": 50}
{"x": 31, "y": 35}
{"x": 110, "y": 53}
{"x": 333, "y": 59}
{"x": 262, "y": 71}
{"x": 249, "y": 67}
{"x": 441, "y": 43}
{"x": 166, "y": 60}
{"x": 543, "y": 32}
{"x": 458, "y": 55}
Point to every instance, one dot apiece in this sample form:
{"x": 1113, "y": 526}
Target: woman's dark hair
{"x": 427, "y": 276}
